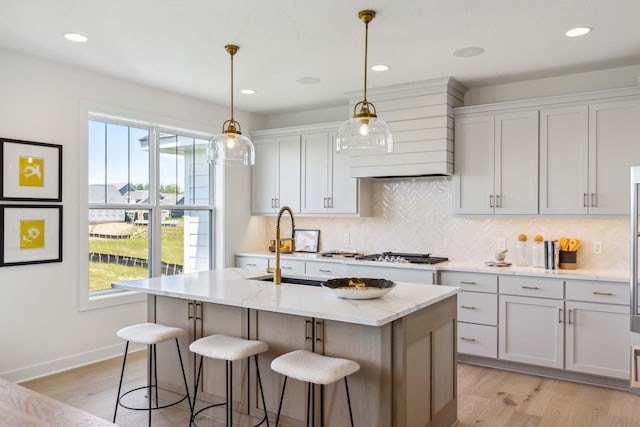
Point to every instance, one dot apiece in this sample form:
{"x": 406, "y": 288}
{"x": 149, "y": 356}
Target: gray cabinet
{"x": 496, "y": 163}
{"x": 586, "y": 151}
{"x": 276, "y": 174}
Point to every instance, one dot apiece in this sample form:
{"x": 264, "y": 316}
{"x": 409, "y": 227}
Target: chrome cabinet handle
{"x": 325, "y": 202}
{"x": 286, "y": 268}
{"x": 190, "y": 310}
{"x": 331, "y": 202}
{"x": 491, "y": 201}
{"x": 324, "y": 271}
{"x": 531, "y": 287}
{"x": 585, "y": 204}
{"x": 468, "y": 339}
{"x": 198, "y": 310}
{"x": 569, "y": 315}
{"x": 307, "y": 335}
{"x": 594, "y": 200}
{"x": 251, "y": 264}
{"x": 608, "y": 294}
{"x": 560, "y": 315}
{"x": 468, "y": 307}
{"x": 498, "y": 202}
{"x": 464, "y": 282}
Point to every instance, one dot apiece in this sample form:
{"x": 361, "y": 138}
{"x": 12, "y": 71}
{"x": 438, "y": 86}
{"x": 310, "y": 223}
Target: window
{"x": 149, "y": 203}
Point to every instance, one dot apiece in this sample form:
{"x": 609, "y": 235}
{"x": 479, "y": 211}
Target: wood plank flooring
{"x": 486, "y": 398}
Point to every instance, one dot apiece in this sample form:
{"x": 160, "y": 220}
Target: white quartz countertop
{"x": 470, "y": 266}
{"x": 237, "y": 287}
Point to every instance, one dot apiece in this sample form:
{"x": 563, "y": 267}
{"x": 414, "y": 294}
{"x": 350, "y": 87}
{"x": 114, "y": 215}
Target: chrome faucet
{"x": 277, "y": 272}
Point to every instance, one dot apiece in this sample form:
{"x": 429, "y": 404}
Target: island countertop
{"x": 240, "y": 288}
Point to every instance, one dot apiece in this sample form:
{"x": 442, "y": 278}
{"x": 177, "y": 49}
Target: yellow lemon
{"x": 538, "y": 238}
{"x": 522, "y": 237}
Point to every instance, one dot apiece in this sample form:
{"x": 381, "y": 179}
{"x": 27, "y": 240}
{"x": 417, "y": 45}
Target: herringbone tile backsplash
{"x": 416, "y": 215}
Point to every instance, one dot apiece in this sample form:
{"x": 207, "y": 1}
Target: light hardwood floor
{"x": 486, "y": 397}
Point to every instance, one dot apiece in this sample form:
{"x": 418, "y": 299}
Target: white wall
{"x": 320, "y": 115}
{"x": 41, "y": 328}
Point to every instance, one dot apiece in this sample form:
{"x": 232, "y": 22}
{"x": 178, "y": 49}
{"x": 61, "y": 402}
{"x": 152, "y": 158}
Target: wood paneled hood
{"x": 420, "y": 116}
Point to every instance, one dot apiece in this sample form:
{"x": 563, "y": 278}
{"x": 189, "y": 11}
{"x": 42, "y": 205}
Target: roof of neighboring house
{"x": 99, "y": 193}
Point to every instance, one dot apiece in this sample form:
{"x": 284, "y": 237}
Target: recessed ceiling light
{"x": 380, "y": 67}
{"x": 76, "y": 37}
{"x": 578, "y": 31}
{"x": 247, "y": 91}
{"x": 467, "y": 52}
{"x": 307, "y": 80}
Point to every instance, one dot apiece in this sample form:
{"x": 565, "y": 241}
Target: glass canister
{"x": 523, "y": 255}
{"x": 537, "y": 252}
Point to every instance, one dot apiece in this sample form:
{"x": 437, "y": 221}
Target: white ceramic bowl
{"x": 358, "y": 288}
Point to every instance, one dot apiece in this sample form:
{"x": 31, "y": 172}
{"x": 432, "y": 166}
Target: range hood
{"x": 420, "y": 116}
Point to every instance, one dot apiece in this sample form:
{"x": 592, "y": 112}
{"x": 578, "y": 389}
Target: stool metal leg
{"x": 149, "y": 378}
{"x": 195, "y": 391}
{"x": 308, "y": 403}
{"x": 124, "y": 361}
{"x": 184, "y": 376}
{"x": 229, "y": 381}
{"x": 284, "y": 385}
{"x": 346, "y": 386}
{"x": 155, "y": 373}
{"x": 264, "y": 404}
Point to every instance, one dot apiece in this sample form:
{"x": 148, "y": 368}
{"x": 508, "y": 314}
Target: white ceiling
{"x": 178, "y": 45}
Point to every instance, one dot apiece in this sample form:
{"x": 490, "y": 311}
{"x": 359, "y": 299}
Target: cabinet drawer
{"x": 470, "y": 281}
{"x": 532, "y": 287}
{"x": 252, "y": 263}
{"x": 289, "y": 266}
{"x": 326, "y": 269}
{"x": 478, "y": 340}
{"x": 397, "y": 274}
{"x": 591, "y": 291}
{"x": 475, "y": 307}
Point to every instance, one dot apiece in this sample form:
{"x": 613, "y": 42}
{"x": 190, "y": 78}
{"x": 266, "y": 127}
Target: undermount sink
{"x": 293, "y": 280}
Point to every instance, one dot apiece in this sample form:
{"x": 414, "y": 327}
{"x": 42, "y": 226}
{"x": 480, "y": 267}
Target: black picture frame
{"x": 31, "y": 234}
{"x": 307, "y": 240}
{"x": 42, "y": 182}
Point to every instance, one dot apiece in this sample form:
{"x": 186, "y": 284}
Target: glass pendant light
{"x": 231, "y": 147}
{"x": 365, "y": 133}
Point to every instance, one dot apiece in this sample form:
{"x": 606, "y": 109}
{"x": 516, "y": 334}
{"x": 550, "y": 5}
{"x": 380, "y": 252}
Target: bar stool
{"x": 150, "y": 334}
{"x": 229, "y": 349}
{"x": 313, "y": 368}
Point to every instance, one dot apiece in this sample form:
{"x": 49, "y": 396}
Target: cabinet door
{"x": 284, "y": 333}
{"x": 531, "y": 330}
{"x": 289, "y": 172}
{"x": 474, "y": 161}
{"x": 614, "y": 146}
{"x": 598, "y": 339}
{"x": 178, "y": 313}
{"x": 265, "y": 176}
{"x": 564, "y": 160}
{"x": 516, "y": 160}
{"x": 398, "y": 274}
{"x": 343, "y": 188}
{"x": 315, "y": 167}
{"x": 369, "y": 346}
{"x": 252, "y": 263}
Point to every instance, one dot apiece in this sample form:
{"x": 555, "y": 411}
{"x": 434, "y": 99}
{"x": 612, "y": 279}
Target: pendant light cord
{"x": 232, "y": 88}
{"x": 366, "y": 49}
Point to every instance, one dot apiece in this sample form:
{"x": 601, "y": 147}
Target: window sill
{"x": 110, "y": 299}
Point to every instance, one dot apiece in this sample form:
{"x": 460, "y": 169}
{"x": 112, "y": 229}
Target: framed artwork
{"x": 30, "y": 171}
{"x": 30, "y": 234}
{"x": 306, "y": 240}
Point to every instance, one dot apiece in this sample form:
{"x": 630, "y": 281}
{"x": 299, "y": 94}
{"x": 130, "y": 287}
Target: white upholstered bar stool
{"x": 150, "y": 334}
{"x": 313, "y": 368}
{"x": 229, "y": 349}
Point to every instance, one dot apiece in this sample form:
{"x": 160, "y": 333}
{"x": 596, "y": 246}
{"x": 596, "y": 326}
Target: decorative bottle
{"x": 522, "y": 251}
{"x": 538, "y": 251}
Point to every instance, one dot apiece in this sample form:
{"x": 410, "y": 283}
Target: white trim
{"x": 74, "y": 361}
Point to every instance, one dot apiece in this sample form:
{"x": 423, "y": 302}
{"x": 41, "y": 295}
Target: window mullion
{"x": 155, "y": 232}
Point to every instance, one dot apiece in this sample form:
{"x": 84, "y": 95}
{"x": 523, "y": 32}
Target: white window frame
{"x": 88, "y": 300}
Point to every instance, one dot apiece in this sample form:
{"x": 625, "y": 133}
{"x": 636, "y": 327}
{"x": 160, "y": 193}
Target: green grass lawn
{"x": 101, "y": 275}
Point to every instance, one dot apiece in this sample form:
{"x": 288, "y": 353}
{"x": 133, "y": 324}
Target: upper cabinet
{"x": 586, "y": 151}
{"x": 299, "y": 167}
{"x": 586, "y": 142}
{"x": 496, "y": 163}
{"x": 276, "y": 174}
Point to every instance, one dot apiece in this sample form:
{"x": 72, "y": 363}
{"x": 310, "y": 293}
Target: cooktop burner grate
{"x": 401, "y": 257}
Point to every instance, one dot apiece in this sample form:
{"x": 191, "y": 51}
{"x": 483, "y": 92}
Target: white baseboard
{"x": 51, "y": 367}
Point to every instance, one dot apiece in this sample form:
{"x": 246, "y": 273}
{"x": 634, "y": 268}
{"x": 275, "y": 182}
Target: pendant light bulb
{"x": 365, "y": 133}
{"x": 231, "y": 147}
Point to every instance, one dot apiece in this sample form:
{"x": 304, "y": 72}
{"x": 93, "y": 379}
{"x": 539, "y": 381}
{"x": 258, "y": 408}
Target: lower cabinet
{"x": 531, "y": 330}
{"x": 598, "y": 339}
{"x": 399, "y": 274}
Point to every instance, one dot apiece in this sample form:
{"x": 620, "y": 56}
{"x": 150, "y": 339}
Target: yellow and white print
{"x": 32, "y": 234}
{"x": 31, "y": 172}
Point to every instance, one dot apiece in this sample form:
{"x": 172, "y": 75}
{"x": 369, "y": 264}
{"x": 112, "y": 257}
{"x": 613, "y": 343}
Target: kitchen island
{"x": 405, "y": 343}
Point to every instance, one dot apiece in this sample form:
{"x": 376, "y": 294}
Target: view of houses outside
{"x": 121, "y": 201}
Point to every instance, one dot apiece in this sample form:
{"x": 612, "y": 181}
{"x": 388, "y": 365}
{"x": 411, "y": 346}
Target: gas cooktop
{"x": 400, "y": 257}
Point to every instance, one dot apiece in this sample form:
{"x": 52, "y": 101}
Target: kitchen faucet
{"x": 277, "y": 272}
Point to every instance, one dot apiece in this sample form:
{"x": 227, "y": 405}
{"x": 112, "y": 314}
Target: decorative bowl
{"x": 358, "y": 288}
